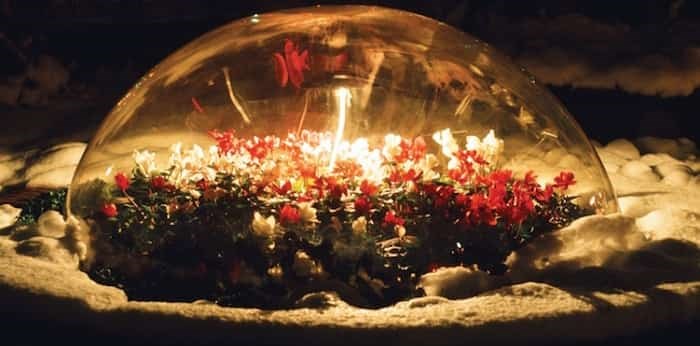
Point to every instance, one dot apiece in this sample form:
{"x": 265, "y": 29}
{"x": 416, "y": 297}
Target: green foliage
{"x": 52, "y": 200}
{"x": 167, "y": 243}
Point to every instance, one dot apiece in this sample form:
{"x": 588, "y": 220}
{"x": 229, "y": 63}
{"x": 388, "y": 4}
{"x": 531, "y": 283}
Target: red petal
{"x": 281, "y": 74}
{"x": 196, "y": 105}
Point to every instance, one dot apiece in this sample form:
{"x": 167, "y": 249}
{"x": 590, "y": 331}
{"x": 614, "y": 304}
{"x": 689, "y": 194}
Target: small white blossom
{"x": 263, "y": 226}
{"x": 400, "y": 231}
{"x": 446, "y": 141}
{"x": 359, "y": 226}
{"x": 307, "y": 212}
{"x": 491, "y": 147}
{"x": 473, "y": 143}
{"x": 145, "y": 161}
{"x": 392, "y": 146}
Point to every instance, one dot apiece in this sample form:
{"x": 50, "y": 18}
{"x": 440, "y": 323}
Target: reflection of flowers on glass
{"x": 392, "y": 211}
{"x": 290, "y": 65}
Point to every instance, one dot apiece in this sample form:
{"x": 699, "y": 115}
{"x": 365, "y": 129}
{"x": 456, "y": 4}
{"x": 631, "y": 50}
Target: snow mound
{"x": 48, "y": 169}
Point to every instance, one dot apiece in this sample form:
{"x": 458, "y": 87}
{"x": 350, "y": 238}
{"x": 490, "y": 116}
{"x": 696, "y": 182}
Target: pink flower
{"x": 122, "y": 181}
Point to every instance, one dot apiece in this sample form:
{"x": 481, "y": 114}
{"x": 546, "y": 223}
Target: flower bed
{"x": 260, "y": 221}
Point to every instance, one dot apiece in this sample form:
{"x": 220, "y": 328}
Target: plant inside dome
{"x": 249, "y": 220}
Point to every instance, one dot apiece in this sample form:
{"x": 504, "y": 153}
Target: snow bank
{"x": 598, "y": 277}
{"x": 49, "y": 168}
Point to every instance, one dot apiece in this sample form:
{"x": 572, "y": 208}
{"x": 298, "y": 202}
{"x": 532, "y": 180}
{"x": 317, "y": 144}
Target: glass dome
{"x": 276, "y": 128}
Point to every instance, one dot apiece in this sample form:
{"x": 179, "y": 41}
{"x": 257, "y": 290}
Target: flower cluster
{"x": 307, "y": 205}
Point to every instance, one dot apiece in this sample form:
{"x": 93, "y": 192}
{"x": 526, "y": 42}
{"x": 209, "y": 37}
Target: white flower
{"x": 145, "y": 161}
{"x": 400, "y": 230}
{"x": 175, "y": 155}
{"x": 359, "y": 226}
{"x": 446, "y": 141}
{"x": 307, "y": 212}
{"x": 491, "y": 147}
{"x": 427, "y": 165}
{"x": 473, "y": 143}
{"x": 263, "y": 226}
{"x": 392, "y": 144}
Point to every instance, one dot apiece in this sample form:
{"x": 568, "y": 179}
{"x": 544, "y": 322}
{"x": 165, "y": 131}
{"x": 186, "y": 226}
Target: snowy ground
{"x": 600, "y": 277}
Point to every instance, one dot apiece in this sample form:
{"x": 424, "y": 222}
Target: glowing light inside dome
{"x": 343, "y": 95}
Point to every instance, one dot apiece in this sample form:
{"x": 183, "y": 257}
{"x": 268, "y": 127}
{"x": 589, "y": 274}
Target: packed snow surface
{"x": 601, "y": 276}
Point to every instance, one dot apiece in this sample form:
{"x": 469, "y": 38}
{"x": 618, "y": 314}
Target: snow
{"x": 599, "y": 277}
{"x": 8, "y": 215}
{"x": 49, "y": 168}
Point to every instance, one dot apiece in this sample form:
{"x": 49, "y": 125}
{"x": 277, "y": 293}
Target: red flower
{"x": 471, "y": 156}
{"x": 289, "y": 215}
{"x": 122, "y": 181}
{"x": 543, "y": 196}
{"x": 500, "y": 177}
{"x": 203, "y": 184}
{"x": 367, "y": 188}
{"x": 564, "y": 180}
{"x": 307, "y": 170}
{"x": 479, "y": 212}
{"x": 283, "y": 189}
{"x": 429, "y": 189}
{"x": 442, "y": 196}
{"x": 347, "y": 168}
{"x": 224, "y": 140}
{"x": 257, "y": 148}
{"x": 296, "y": 63}
{"x": 397, "y": 176}
{"x": 160, "y": 183}
{"x": 497, "y": 196}
{"x": 335, "y": 189}
{"x": 109, "y": 209}
{"x": 465, "y": 171}
{"x": 390, "y": 218}
{"x": 462, "y": 200}
{"x": 411, "y": 150}
{"x": 291, "y": 66}
{"x": 362, "y": 205}
{"x": 520, "y": 206}
{"x": 530, "y": 179}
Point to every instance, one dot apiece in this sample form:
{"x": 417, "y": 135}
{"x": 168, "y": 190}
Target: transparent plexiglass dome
{"x": 361, "y": 84}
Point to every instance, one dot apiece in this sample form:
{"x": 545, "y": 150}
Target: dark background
{"x": 107, "y": 45}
